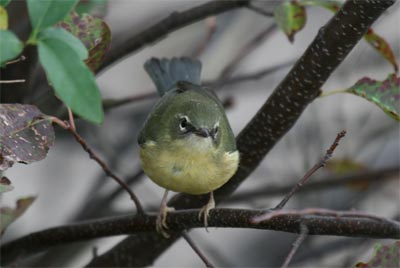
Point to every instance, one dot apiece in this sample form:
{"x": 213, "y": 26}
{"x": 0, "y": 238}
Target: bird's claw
{"x": 205, "y": 211}
{"x": 161, "y": 222}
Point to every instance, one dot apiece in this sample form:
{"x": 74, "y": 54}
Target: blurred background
{"x": 71, "y": 187}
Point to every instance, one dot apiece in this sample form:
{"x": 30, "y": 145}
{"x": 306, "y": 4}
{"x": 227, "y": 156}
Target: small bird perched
{"x": 186, "y": 143}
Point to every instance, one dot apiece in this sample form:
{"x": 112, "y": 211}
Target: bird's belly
{"x": 188, "y": 170}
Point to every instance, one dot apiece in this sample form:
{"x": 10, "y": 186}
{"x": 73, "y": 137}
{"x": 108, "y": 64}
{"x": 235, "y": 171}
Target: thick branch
{"x": 354, "y": 225}
{"x": 173, "y": 22}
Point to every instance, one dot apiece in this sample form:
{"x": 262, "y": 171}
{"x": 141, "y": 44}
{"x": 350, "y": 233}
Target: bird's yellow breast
{"x": 192, "y": 166}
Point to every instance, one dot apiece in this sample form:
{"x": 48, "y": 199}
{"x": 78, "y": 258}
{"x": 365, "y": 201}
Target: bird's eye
{"x": 183, "y": 124}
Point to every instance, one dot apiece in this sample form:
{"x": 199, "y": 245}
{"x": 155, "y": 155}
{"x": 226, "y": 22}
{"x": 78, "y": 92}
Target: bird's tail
{"x": 166, "y": 72}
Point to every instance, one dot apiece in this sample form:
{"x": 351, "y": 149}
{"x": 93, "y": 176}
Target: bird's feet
{"x": 205, "y": 210}
{"x": 161, "y": 223}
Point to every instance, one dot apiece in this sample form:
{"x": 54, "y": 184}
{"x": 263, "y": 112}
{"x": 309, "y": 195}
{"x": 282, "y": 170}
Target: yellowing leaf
{"x": 382, "y": 47}
{"x": 290, "y": 17}
{"x": 3, "y": 18}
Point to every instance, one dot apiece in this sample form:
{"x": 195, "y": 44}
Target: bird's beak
{"x": 202, "y": 132}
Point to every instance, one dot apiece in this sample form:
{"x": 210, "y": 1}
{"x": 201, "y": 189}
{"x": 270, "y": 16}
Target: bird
{"x": 186, "y": 143}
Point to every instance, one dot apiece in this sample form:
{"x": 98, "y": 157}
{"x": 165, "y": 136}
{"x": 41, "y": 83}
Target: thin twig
{"x": 296, "y": 244}
{"x": 196, "y": 249}
{"x": 65, "y": 125}
{"x": 12, "y": 81}
{"x": 246, "y": 50}
{"x": 248, "y": 77}
{"x": 309, "y": 173}
{"x": 21, "y": 58}
{"x": 71, "y": 119}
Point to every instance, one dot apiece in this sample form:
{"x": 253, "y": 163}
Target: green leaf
{"x": 9, "y": 215}
{"x": 46, "y": 13}
{"x": 93, "y": 32}
{"x": 67, "y": 38}
{"x": 384, "y": 256}
{"x": 3, "y": 18}
{"x": 5, "y": 185}
{"x": 382, "y": 46}
{"x": 385, "y": 94}
{"x": 10, "y": 46}
{"x": 4, "y": 3}
{"x": 25, "y": 134}
{"x": 290, "y": 17}
{"x": 73, "y": 82}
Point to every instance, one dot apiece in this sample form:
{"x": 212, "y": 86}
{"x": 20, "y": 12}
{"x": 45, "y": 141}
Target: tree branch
{"x": 196, "y": 249}
{"x": 159, "y": 30}
{"x": 309, "y": 173}
{"x": 280, "y": 112}
{"x": 295, "y": 246}
{"x": 338, "y": 223}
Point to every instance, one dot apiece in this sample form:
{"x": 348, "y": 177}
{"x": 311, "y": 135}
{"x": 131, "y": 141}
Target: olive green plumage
{"x": 187, "y": 144}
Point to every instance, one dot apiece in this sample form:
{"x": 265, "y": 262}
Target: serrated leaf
{"x": 376, "y": 41}
{"x": 94, "y": 34}
{"x": 5, "y": 185}
{"x": 4, "y": 3}
{"x": 384, "y": 256}
{"x": 9, "y": 215}
{"x": 25, "y": 136}
{"x": 385, "y": 94}
{"x": 44, "y": 14}
{"x": 10, "y": 46}
{"x": 382, "y": 47}
{"x": 73, "y": 82}
{"x": 3, "y": 18}
{"x": 290, "y": 17}
{"x": 67, "y": 38}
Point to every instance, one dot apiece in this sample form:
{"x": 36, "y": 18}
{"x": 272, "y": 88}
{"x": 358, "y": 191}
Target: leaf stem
{"x": 332, "y": 92}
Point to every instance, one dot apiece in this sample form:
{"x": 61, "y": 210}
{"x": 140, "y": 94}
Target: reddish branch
{"x": 309, "y": 173}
